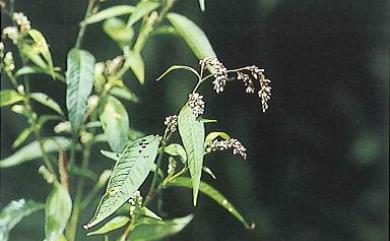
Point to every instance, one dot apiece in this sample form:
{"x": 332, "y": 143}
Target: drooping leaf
{"x": 9, "y": 97}
{"x": 118, "y": 31}
{"x": 192, "y": 134}
{"x": 109, "y": 13}
{"x": 192, "y": 34}
{"x": 32, "y": 151}
{"x": 176, "y": 150}
{"x": 41, "y": 44}
{"x": 79, "y": 81}
{"x": 209, "y": 171}
{"x": 26, "y": 70}
{"x": 115, "y": 122}
{"x": 159, "y": 230}
{"x": 136, "y": 63}
{"x": 143, "y": 8}
{"x": 22, "y": 137}
{"x": 13, "y": 213}
{"x": 129, "y": 173}
{"x": 113, "y": 224}
{"x": 44, "y": 99}
{"x": 124, "y": 93}
{"x": 57, "y": 212}
{"x": 213, "y": 194}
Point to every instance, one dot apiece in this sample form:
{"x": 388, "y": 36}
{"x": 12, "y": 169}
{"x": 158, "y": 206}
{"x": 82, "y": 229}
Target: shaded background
{"x": 317, "y": 168}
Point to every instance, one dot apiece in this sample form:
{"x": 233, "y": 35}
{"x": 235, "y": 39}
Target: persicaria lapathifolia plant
{"x": 95, "y": 92}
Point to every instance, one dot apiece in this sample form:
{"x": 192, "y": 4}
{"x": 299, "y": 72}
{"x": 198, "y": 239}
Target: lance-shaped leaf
{"x": 44, "y": 99}
{"x": 13, "y": 213}
{"x": 124, "y": 93}
{"x": 157, "y": 230}
{"x": 192, "y": 34}
{"x": 142, "y": 9}
{"x": 22, "y": 137}
{"x": 192, "y": 134}
{"x": 136, "y": 63}
{"x": 175, "y": 149}
{"x": 43, "y": 47}
{"x": 213, "y": 194}
{"x": 57, "y": 212}
{"x": 115, "y": 122}
{"x": 111, "y": 225}
{"x": 9, "y": 97}
{"x": 109, "y": 13}
{"x": 32, "y": 151}
{"x": 79, "y": 81}
{"x": 130, "y": 171}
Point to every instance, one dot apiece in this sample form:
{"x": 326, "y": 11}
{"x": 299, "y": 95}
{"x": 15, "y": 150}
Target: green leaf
{"x": 202, "y": 5}
{"x": 9, "y": 97}
{"x": 57, "y": 212}
{"x": 192, "y": 34}
{"x": 22, "y": 137}
{"x": 115, "y": 122}
{"x": 213, "y": 135}
{"x": 177, "y": 67}
{"x": 124, "y": 93}
{"x": 149, "y": 213}
{"x": 79, "y": 80}
{"x": 43, "y": 47}
{"x": 27, "y": 70}
{"x": 117, "y": 30}
{"x": 33, "y": 54}
{"x": 142, "y": 9}
{"x": 32, "y": 151}
{"x": 130, "y": 171}
{"x": 159, "y": 230}
{"x": 176, "y": 150}
{"x": 209, "y": 171}
{"x": 44, "y": 99}
{"x": 192, "y": 134}
{"x": 136, "y": 63}
{"x": 213, "y": 194}
{"x": 113, "y": 224}
{"x": 13, "y": 213}
{"x": 109, "y": 13}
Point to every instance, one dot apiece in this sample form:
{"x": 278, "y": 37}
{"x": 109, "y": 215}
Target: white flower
{"x": 196, "y": 103}
{"x": 12, "y": 33}
{"x": 220, "y": 72}
{"x": 234, "y": 144}
{"x": 22, "y": 21}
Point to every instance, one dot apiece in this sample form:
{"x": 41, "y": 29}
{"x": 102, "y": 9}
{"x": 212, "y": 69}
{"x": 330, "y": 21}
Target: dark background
{"x": 317, "y": 168}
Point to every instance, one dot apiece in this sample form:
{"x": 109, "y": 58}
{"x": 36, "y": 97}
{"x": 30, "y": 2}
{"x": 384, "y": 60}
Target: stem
{"x": 83, "y": 27}
{"x": 128, "y": 230}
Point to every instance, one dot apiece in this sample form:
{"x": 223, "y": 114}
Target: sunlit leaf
{"x": 142, "y": 9}
{"x": 32, "y": 151}
{"x": 109, "y": 13}
{"x": 149, "y": 213}
{"x": 27, "y": 70}
{"x": 136, "y": 63}
{"x": 176, "y": 150}
{"x": 113, "y": 224}
{"x": 192, "y": 34}
{"x": 129, "y": 173}
{"x": 13, "y": 213}
{"x": 44, "y": 99}
{"x": 213, "y": 194}
{"x": 213, "y": 135}
{"x": 159, "y": 230}
{"x": 57, "y": 212}
{"x": 124, "y": 93}
{"x": 43, "y": 47}
{"x": 79, "y": 80}
{"x": 22, "y": 137}
{"x": 192, "y": 134}
{"x": 9, "y": 97}
{"x": 117, "y": 30}
{"x": 115, "y": 122}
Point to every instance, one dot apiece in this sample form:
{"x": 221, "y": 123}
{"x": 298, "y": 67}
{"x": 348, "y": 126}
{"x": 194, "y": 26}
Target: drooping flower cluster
{"x": 250, "y": 89}
{"x": 221, "y": 145}
{"x": 196, "y": 103}
{"x": 220, "y": 72}
{"x": 171, "y": 123}
{"x": 265, "y": 88}
{"x": 135, "y": 202}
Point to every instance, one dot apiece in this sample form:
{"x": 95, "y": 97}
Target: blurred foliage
{"x": 317, "y": 168}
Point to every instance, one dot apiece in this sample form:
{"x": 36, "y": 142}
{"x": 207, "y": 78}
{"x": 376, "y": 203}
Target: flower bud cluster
{"x": 135, "y": 202}
{"x": 234, "y": 144}
{"x": 22, "y": 21}
{"x": 171, "y": 166}
{"x": 9, "y": 64}
{"x": 220, "y": 72}
{"x": 171, "y": 123}
{"x": 196, "y": 103}
{"x": 63, "y": 127}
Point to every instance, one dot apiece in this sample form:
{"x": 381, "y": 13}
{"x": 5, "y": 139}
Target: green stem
{"x": 128, "y": 230}
{"x": 83, "y": 27}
